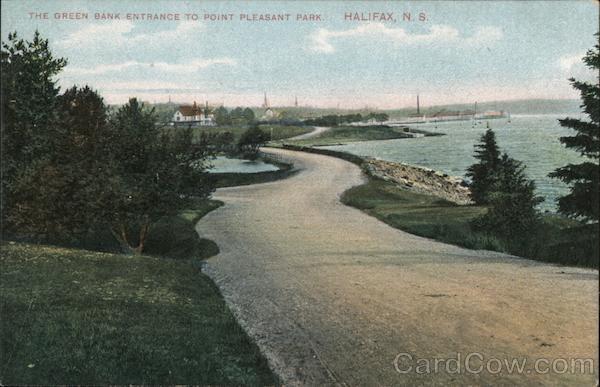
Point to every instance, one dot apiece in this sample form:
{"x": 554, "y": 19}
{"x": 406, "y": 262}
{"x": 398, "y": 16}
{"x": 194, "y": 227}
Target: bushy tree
{"x": 484, "y": 172}
{"x": 583, "y": 200}
{"x": 251, "y": 140}
{"x": 29, "y": 95}
{"x": 66, "y": 167}
{"x": 225, "y": 142}
{"x": 222, "y": 116}
{"x": 249, "y": 115}
{"x": 512, "y": 213}
{"x": 62, "y": 194}
{"x": 379, "y": 117}
{"x": 157, "y": 174}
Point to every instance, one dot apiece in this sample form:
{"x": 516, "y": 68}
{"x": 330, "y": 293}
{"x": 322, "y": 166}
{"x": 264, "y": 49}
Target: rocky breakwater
{"x": 420, "y": 179}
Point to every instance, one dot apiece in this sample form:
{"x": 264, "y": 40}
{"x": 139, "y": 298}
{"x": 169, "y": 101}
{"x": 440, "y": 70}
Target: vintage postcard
{"x": 356, "y": 193}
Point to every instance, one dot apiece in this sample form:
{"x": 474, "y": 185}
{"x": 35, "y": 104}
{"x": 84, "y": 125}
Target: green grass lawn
{"x": 285, "y": 131}
{"x": 80, "y": 317}
{"x": 346, "y": 134}
{"x": 557, "y": 240}
{"x": 279, "y": 131}
{"x": 419, "y": 214}
{"x": 72, "y": 316}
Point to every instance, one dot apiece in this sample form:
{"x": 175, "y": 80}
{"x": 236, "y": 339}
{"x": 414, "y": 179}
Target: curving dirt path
{"x": 316, "y": 132}
{"x": 333, "y": 296}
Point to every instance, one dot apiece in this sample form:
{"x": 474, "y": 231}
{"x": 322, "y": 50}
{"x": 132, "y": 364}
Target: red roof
{"x": 188, "y": 110}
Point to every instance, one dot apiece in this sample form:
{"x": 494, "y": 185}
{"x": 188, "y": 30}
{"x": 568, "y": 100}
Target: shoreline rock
{"x": 420, "y": 179}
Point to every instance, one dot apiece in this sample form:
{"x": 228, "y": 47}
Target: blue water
{"x": 223, "y": 164}
{"x": 532, "y": 139}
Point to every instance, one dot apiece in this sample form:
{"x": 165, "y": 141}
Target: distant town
{"x": 201, "y": 114}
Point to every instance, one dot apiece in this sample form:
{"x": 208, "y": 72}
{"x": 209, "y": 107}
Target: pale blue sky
{"x": 464, "y": 51}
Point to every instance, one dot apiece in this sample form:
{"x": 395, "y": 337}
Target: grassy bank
{"x": 278, "y": 131}
{"x": 170, "y": 237}
{"x": 346, "y": 134}
{"x": 176, "y": 236}
{"x": 73, "y": 316}
{"x": 557, "y": 240}
{"x": 79, "y": 317}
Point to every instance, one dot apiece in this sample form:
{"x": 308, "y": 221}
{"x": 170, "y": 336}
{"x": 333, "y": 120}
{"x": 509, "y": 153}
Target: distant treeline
{"x": 335, "y": 120}
{"x": 237, "y": 116}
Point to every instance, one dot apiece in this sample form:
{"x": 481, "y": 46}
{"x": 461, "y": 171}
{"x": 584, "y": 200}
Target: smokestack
{"x": 418, "y": 107}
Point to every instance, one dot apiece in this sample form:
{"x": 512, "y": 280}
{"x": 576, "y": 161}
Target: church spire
{"x": 266, "y": 101}
{"x": 296, "y": 101}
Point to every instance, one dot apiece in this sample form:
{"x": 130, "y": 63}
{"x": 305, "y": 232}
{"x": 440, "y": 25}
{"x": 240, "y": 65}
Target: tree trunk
{"x": 143, "y": 235}
{"x": 120, "y": 235}
{"x": 123, "y": 238}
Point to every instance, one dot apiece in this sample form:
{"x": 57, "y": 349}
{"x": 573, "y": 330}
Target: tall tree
{"x": 583, "y": 200}
{"x": 29, "y": 96}
{"x": 512, "y": 213}
{"x": 157, "y": 174}
{"x": 483, "y": 173}
{"x": 62, "y": 194}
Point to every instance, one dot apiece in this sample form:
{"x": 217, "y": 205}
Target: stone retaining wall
{"x": 419, "y": 179}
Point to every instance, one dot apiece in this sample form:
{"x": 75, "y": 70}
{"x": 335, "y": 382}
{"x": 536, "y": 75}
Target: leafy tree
{"x": 484, "y": 172}
{"x": 237, "y": 113}
{"x": 29, "y": 95}
{"x": 157, "y": 174}
{"x": 583, "y": 200}
{"x": 251, "y": 140}
{"x": 225, "y": 142}
{"x": 511, "y": 215}
{"x": 379, "y": 117}
{"x": 248, "y": 115}
{"x": 222, "y": 116}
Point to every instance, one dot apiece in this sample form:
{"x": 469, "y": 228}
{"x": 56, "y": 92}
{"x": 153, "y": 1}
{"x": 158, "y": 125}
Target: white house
{"x": 194, "y": 115}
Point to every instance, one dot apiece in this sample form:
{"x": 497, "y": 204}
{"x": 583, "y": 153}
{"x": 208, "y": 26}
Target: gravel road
{"x": 334, "y": 296}
{"x": 316, "y": 132}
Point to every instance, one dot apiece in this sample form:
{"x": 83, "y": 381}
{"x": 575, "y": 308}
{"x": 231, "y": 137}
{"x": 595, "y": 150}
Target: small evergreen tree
{"x": 583, "y": 200}
{"x": 483, "y": 173}
{"x": 511, "y": 215}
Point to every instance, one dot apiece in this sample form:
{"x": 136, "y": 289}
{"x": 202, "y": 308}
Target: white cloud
{"x": 97, "y": 33}
{"x": 567, "y": 62}
{"x": 139, "y": 85}
{"x": 321, "y": 39}
{"x": 190, "y": 66}
{"x": 119, "y": 33}
{"x": 573, "y": 66}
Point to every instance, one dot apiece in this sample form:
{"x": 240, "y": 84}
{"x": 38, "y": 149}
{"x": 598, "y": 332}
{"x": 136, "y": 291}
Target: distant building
{"x": 194, "y": 115}
{"x": 494, "y": 114}
{"x": 269, "y": 114}
{"x": 265, "y": 104}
